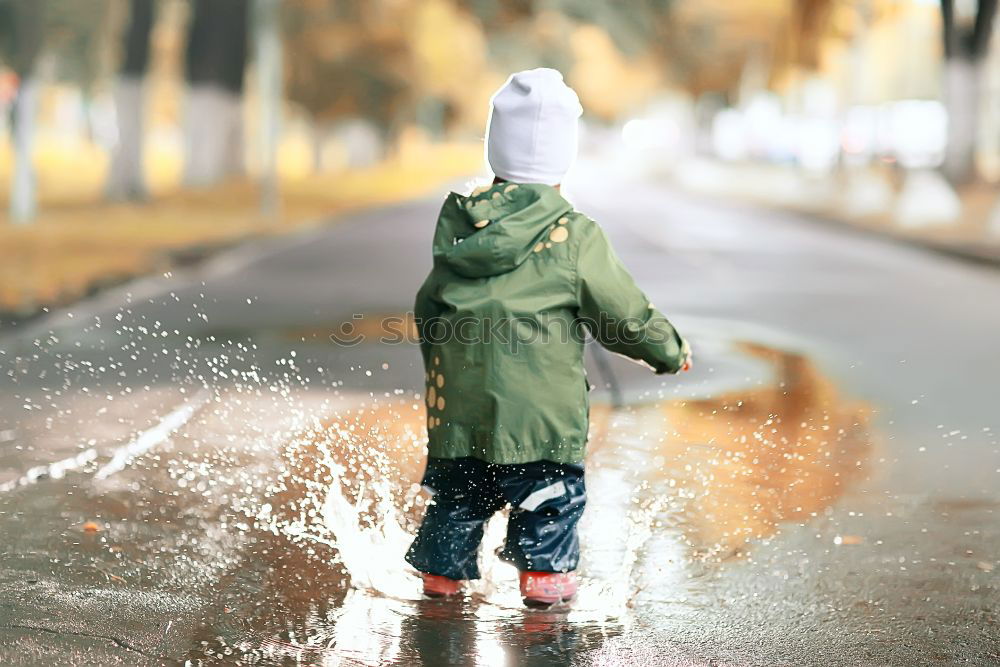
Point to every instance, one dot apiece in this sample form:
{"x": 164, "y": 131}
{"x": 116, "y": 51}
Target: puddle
{"x": 731, "y": 469}
{"x": 676, "y": 489}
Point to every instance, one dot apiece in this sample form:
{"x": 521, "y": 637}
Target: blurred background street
{"x": 200, "y": 196}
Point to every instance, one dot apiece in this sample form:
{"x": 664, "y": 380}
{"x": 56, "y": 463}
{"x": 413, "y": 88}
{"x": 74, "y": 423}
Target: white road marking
{"x": 153, "y": 436}
{"x": 51, "y": 471}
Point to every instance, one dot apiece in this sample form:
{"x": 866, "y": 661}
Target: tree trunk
{"x": 215, "y": 63}
{"x": 23, "y": 200}
{"x": 28, "y": 19}
{"x": 126, "y": 180}
{"x": 269, "y": 77}
{"x": 213, "y": 135}
{"x": 962, "y": 85}
{"x": 966, "y": 42}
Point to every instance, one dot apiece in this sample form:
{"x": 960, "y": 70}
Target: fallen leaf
{"x": 91, "y": 527}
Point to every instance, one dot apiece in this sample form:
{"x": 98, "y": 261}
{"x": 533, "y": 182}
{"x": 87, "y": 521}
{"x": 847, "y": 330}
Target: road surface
{"x": 192, "y": 470}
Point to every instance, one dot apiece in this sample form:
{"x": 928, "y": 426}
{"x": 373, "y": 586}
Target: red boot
{"x": 436, "y": 586}
{"x": 542, "y": 589}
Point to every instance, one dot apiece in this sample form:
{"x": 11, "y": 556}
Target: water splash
{"x": 306, "y": 497}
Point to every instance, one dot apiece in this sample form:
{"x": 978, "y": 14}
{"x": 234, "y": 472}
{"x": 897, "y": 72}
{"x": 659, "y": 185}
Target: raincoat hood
{"x": 494, "y": 230}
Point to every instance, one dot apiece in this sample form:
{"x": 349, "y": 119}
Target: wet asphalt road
{"x": 830, "y": 498}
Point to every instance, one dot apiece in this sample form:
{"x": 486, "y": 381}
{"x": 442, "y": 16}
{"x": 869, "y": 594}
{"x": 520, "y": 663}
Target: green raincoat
{"x": 518, "y": 279}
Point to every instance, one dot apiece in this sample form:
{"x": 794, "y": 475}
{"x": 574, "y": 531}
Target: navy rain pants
{"x": 546, "y": 502}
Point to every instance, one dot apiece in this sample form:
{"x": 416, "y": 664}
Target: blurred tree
{"x": 126, "y": 179}
{"x": 76, "y": 37}
{"x": 597, "y": 45}
{"x": 522, "y": 34}
{"x": 348, "y": 59}
{"x": 267, "y": 40}
{"x": 966, "y": 42}
{"x": 215, "y": 61}
{"x": 434, "y": 62}
{"x": 452, "y": 77}
{"x": 22, "y": 29}
{"x": 636, "y": 46}
{"x": 634, "y": 26}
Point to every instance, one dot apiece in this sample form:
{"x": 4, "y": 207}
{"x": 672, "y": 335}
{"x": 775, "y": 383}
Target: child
{"x": 518, "y": 275}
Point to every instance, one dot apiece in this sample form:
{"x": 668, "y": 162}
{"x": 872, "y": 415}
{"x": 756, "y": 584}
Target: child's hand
{"x": 688, "y": 357}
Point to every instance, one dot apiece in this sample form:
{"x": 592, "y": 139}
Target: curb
{"x": 987, "y": 254}
{"x": 165, "y": 260}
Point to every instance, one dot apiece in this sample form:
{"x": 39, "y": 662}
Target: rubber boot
{"x": 543, "y": 589}
{"x": 436, "y": 586}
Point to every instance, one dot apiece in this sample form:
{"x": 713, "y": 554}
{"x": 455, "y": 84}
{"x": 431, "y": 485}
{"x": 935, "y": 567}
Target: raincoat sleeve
{"x": 425, "y": 309}
{"x": 617, "y": 313}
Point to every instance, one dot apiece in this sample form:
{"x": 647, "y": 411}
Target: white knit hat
{"x": 531, "y": 136}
